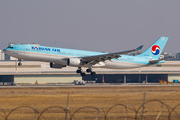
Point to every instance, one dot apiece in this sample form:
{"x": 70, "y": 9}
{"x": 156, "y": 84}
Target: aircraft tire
{"x": 93, "y": 73}
{"x": 78, "y": 71}
{"x": 83, "y": 74}
{"x": 88, "y": 70}
{"x": 19, "y": 64}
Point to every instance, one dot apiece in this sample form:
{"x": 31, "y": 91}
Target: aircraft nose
{"x": 5, "y": 50}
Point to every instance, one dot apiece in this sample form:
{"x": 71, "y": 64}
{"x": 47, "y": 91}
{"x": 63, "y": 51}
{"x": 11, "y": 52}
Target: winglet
{"x": 140, "y": 47}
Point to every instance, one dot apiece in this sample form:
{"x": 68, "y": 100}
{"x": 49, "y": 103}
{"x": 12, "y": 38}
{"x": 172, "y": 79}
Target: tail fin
{"x": 154, "y": 51}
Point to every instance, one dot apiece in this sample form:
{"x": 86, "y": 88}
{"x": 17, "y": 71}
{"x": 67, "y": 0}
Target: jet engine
{"x": 54, "y": 65}
{"x": 74, "y": 61}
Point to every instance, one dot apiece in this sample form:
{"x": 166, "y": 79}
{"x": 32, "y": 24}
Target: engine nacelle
{"x": 74, "y": 61}
{"x": 54, "y": 65}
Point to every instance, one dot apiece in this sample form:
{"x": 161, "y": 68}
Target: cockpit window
{"x": 10, "y": 47}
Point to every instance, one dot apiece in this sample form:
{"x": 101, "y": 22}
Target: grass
{"x": 102, "y": 98}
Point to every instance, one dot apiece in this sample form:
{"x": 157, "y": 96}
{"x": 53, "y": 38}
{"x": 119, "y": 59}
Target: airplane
{"x": 63, "y": 57}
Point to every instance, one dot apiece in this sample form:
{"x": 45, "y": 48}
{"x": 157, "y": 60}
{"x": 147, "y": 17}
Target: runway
{"x": 87, "y": 85}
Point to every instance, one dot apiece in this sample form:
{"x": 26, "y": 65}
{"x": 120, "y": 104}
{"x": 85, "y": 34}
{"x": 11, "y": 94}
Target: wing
{"x": 103, "y": 57}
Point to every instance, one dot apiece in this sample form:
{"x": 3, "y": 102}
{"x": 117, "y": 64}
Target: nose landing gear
{"x": 19, "y": 64}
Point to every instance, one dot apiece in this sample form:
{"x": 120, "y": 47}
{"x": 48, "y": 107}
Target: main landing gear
{"x": 90, "y": 71}
{"x": 79, "y": 70}
{"x": 83, "y": 73}
{"x": 19, "y": 64}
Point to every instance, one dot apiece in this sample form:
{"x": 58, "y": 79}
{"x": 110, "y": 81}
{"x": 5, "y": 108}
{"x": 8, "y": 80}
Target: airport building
{"x": 32, "y": 71}
{"x": 1, "y": 55}
{"x": 178, "y": 56}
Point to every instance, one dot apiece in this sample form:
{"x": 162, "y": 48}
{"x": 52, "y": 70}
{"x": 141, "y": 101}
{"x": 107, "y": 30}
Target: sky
{"x": 96, "y": 25}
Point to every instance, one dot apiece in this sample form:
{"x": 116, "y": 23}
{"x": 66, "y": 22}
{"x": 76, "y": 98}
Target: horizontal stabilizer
{"x": 155, "y": 61}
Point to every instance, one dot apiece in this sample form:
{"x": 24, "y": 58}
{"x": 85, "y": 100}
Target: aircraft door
{"x": 137, "y": 60}
{"x": 20, "y": 48}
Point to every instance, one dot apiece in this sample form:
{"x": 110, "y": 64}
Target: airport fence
{"x": 115, "y": 112}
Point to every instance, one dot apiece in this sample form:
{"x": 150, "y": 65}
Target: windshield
{"x": 10, "y": 47}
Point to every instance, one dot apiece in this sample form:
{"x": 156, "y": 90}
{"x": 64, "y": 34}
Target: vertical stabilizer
{"x": 155, "y": 50}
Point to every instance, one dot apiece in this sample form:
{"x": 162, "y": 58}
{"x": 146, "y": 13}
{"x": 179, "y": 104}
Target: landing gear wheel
{"x": 19, "y": 64}
{"x": 83, "y": 74}
{"x": 78, "y": 71}
{"x": 88, "y": 70}
{"x": 93, "y": 73}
